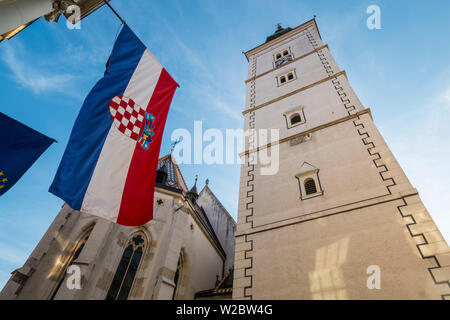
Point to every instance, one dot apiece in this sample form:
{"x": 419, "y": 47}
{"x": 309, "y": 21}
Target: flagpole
{"x": 120, "y": 18}
{"x": 115, "y": 12}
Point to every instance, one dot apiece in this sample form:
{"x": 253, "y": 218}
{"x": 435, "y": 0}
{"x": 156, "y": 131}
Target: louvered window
{"x": 310, "y": 187}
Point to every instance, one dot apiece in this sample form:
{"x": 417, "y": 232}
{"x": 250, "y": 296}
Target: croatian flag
{"x": 109, "y": 166}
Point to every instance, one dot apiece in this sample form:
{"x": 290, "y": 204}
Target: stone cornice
{"x": 300, "y": 28}
{"x": 329, "y": 212}
{"x": 295, "y": 91}
{"x": 322, "y": 126}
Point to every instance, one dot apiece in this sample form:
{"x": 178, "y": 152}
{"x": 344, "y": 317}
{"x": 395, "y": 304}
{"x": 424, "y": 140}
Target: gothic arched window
{"x": 126, "y": 271}
{"x": 76, "y": 253}
{"x": 310, "y": 186}
{"x": 178, "y": 274}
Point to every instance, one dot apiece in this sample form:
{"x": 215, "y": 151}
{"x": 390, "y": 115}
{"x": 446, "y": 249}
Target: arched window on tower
{"x": 126, "y": 271}
{"x": 295, "y": 118}
{"x": 76, "y": 253}
{"x": 309, "y": 182}
{"x": 310, "y": 186}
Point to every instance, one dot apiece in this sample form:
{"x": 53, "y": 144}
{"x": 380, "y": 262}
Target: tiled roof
{"x": 174, "y": 177}
{"x": 224, "y": 287}
{"x": 175, "y": 180}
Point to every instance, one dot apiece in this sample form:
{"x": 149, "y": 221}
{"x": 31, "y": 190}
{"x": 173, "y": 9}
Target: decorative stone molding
{"x": 309, "y": 175}
{"x": 291, "y": 113}
{"x": 300, "y": 139}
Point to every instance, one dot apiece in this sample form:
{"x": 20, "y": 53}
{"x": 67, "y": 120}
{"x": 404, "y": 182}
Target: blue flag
{"x": 20, "y": 146}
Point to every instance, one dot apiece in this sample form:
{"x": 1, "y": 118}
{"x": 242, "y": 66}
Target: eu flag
{"x": 20, "y": 146}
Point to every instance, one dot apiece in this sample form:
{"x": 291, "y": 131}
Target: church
{"x": 338, "y": 220}
{"x": 185, "y": 252}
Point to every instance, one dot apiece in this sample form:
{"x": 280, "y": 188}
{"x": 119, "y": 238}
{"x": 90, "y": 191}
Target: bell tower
{"x": 338, "y": 218}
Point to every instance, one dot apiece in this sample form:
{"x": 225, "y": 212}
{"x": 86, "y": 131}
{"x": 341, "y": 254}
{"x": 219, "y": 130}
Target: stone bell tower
{"x": 339, "y": 219}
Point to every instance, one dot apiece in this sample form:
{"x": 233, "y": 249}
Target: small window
{"x": 286, "y": 76}
{"x": 295, "y": 118}
{"x": 282, "y": 57}
{"x": 310, "y": 187}
{"x": 309, "y": 183}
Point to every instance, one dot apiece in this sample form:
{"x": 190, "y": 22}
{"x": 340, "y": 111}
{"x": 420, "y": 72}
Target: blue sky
{"x": 400, "y": 72}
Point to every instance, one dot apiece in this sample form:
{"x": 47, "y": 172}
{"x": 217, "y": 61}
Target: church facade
{"x": 179, "y": 254}
{"x": 340, "y": 219}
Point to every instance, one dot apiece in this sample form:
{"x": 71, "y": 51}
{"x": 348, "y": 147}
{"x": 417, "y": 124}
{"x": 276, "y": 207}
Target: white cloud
{"x": 446, "y": 96}
{"x": 29, "y": 76}
{"x": 204, "y": 84}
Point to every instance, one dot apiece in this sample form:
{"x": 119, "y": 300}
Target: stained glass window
{"x": 126, "y": 271}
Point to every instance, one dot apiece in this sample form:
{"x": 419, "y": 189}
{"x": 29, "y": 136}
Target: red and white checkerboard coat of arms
{"x": 127, "y": 116}
{"x": 132, "y": 120}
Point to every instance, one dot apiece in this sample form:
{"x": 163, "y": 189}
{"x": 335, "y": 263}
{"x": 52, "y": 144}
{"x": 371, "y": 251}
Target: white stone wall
{"x": 221, "y": 221}
{"x": 366, "y": 213}
{"x": 173, "y": 230}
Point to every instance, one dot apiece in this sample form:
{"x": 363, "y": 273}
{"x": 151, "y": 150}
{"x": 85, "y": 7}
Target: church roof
{"x": 176, "y": 181}
{"x": 279, "y": 32}
{"x": 223, "y": 287}
{"x": 175, "y": 178}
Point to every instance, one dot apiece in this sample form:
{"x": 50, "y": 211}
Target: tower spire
{"x": 194, "y": 188}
